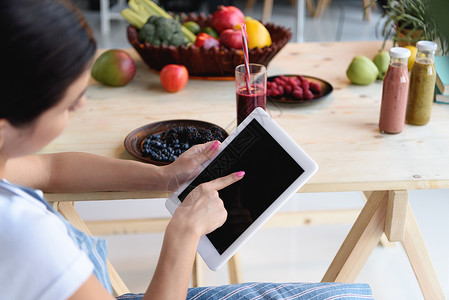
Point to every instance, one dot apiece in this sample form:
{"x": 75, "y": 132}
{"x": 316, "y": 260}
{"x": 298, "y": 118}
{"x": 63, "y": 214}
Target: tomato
{"x": 174, "y": 77}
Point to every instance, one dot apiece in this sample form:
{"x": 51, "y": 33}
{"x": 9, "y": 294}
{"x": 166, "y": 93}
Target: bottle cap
{"x": 399, "y": 52}
{"x": 426, "y": 46}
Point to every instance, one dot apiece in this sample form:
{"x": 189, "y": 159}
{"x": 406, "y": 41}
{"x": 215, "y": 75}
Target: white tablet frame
{"x": 206, "y": 249}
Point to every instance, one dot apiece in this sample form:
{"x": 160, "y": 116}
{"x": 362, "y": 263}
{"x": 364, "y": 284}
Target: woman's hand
{"x": 188, "y": 164}
{"x": 202, "y": 211}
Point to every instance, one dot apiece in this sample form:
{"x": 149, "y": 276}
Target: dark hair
{"x": 46, "y": 46}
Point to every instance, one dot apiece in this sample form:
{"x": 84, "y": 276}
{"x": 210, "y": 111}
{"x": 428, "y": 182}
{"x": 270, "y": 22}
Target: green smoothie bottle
{"x": 422, "y": 85}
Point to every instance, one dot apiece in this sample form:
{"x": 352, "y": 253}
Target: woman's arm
{"x": 83, "y": 172}
{"x": 75, "y": 172}
{"x": 200, "y": 213}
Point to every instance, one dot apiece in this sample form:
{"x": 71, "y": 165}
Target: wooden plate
{"x": 326, "y": 89}
{"x": 134, "y": 140}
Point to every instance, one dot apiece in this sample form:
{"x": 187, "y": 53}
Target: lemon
{"x": 411, "y": 59}
{"x": 258, "y": 35}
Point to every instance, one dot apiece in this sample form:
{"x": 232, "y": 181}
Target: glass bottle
{"x": 394, "y": 92}
{"x": 422, "y": 84}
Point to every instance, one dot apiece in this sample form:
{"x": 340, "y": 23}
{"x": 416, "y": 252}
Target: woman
{"x": 47, "y": 50}
{"x": 50, "y": 50}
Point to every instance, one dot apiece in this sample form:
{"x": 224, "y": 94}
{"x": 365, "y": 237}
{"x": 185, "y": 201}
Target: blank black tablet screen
{"x": 269, "y": 171}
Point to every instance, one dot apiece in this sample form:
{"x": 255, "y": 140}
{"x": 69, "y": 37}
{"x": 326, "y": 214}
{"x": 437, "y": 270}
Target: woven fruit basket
{"x": 212, "y": 62}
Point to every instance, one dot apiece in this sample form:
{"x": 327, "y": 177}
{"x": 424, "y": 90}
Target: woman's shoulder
{"x": 36, "y": 239}
{"x": 32, "y": 231}
{"x": 15, "y": 203}
{"x": 25, "y": 217}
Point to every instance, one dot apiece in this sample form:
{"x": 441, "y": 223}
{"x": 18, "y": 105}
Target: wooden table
{"x": 340, "y": 132}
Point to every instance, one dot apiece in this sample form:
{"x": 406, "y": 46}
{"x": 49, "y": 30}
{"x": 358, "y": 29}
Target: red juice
{"x": 246, "y": 102}
{"x": 394, "y": 98}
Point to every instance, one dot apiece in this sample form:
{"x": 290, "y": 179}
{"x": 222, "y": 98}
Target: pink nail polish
{"x": 240, "y": 173}
{"x": 214, "y": 146}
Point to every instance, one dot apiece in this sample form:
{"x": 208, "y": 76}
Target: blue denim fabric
{"x": 95, "y": 248}
{"x": 258, "y": 290}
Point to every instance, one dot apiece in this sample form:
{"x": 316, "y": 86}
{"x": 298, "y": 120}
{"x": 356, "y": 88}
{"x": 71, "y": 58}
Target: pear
{"x": 114, "y": 68}
{"x": 382, "y": 61}
{"x": 362, "y": 70}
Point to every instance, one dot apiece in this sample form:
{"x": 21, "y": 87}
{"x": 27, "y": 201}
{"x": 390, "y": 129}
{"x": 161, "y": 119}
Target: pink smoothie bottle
{"x": 395, "y": 92}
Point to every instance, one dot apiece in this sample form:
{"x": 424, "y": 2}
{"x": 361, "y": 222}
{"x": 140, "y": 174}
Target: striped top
{"x": 269, "y": 290}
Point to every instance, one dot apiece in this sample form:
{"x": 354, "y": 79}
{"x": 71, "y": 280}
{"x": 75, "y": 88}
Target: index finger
{"x": 222, "y": 182}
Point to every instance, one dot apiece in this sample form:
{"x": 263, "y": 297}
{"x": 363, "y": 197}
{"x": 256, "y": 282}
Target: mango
{"x": 362, "y": 70}
{"x": 114, "y": 68}
{"x": 382, "y": 61}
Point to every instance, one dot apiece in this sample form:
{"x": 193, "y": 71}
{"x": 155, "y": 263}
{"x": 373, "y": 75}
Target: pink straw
{"x": 246, "y": 56}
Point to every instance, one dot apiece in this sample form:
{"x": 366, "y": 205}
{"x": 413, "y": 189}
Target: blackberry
{"x": 168, "y": 145}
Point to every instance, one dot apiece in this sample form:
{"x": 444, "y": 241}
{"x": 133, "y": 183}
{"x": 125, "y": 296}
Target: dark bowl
{"x": 326, "y": 90}
{"x": 133, "y": 141}
{"x": 213, "y": 62}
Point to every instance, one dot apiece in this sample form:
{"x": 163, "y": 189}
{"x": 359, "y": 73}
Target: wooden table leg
{"x": 384, "y": 242}
{"x": 367, "y": 4}
{"x": 321, "y": 6}
{"x": 310, "y": 7}
{"x": 390, "y": 213}
{"x": 420, "y": 260}
{"x": 361, "y": 240}
{"x": 198, "y": 271}
{"x": 267, "y": 10}
{"x": 235, "y": 269}
{"x": 396, "y": 215}
{"x": 250, "y": 4}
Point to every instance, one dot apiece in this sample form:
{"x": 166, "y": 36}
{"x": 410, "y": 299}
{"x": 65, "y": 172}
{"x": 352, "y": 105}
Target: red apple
{"x": 231, "y": 38}
{"x": 174, "y": 77}
{"x": 226, "y": 17}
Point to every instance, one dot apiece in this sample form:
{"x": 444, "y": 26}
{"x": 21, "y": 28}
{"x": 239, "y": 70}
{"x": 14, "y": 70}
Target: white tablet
{"x": 275, "y": 168}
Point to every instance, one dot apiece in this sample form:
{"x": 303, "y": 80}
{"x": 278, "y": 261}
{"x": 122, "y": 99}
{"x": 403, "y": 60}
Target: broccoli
{"x": 159, "y": 30}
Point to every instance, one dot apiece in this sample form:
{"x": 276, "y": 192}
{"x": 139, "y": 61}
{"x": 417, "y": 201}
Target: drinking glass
{"x": 256, "y": 96}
